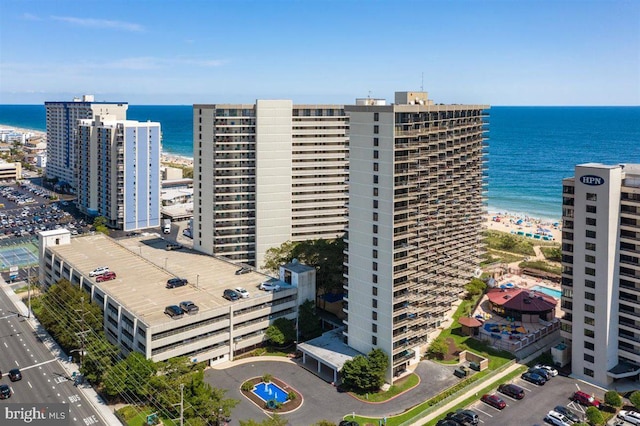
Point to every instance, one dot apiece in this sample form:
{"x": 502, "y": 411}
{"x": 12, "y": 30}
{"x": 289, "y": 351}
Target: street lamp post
{"x": 219, "y": 416}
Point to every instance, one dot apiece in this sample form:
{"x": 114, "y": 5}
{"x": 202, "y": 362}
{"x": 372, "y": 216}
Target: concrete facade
{"x": 601, "y": 272}
{"x": 417, "y": 180}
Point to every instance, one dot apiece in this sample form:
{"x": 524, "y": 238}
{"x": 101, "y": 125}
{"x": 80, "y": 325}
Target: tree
{"x": 99, "y": 358}
{"x": 276, "y": 256}
{"x": 275, "y": 420}
{"x": 594, "y": 416}
{"x": 308, "y": 322}
{"x": 282, "y": 331}
{"x": 366, "y": 373}
{"x": 324, "y": 423}
{"x": 475, "y": 287}
{"x": 100, "y": 225}
{"x": 634, "y": 398}
{"x": 129, "y": 376}
{"x": 613, "y": 398}
{"x": 438, "y": 348}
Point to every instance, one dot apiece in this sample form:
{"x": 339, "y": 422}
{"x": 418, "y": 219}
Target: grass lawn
{"x": 504, "y": 241}
{"x": 138, "y": 416}
{"x": 542, "y": 265}
{"x": 398, "y": 387}
{"x": 497, "y": 256}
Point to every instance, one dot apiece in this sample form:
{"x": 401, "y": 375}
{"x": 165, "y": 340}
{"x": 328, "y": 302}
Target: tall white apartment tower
{"x": 118, "y": 169}
{"x": 417, "y": 179}
{"x": 601, "y": 272}
{"x": 62, "y": 122}
{"x": 267, "y": 173}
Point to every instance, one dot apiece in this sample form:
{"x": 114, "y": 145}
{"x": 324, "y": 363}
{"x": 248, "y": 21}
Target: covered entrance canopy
{"x": 325, "y": 355}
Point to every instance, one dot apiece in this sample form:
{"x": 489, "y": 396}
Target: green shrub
{"x": 267, "y": 378}
{"x": 594, "y": 416}
{"x": 291, "y": 395}
{"x": 635, "y": 399}
{"x": 247, "y": 386}
{"x": 613, "y": 398}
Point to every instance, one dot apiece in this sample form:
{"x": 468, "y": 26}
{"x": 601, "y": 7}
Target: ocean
{"x": 531, "y": 149}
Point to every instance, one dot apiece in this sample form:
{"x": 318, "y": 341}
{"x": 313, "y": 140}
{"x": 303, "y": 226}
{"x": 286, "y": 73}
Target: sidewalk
{"x": 473, "y": 391}
{"x": 100, "y": 406}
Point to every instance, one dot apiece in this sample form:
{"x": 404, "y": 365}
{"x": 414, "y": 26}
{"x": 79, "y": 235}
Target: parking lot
{"x": 538, "y": 401}
{"x": 27, "y": 209}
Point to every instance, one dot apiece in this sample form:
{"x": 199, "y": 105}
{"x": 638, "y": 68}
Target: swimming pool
{"x": 269, "y": 391}
{"x": 549, "y": 291}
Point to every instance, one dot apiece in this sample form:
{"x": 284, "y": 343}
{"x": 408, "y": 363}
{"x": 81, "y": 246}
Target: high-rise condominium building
{"x": 416, "y": 202}
{"x": 267, "y": 173}
{"x": 118, "y": 170}
{"x": 62, "y": 122}
{"x": 601, "y": 271}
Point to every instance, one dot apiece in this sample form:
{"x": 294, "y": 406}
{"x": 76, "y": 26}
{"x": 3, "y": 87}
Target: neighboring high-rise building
{"x": 267, "y": 173}
{"x": 118, "y": 170}
{"x": 417, "y": 179}
{"x": 62, "y": 122}
{"x": 601, "y": 271}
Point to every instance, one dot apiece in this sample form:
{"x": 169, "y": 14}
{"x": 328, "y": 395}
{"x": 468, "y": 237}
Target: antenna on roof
{"x": 369, "y": 95}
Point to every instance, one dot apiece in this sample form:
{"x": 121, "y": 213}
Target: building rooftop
{"x": 330, "y": 348}
{"x": 520, "y": 299}
{"x": 143, "y": 266}
{"x": 298, "y": 267}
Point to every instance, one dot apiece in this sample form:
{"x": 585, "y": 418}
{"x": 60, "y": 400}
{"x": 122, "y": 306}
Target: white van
{"x": 167, "y": 226}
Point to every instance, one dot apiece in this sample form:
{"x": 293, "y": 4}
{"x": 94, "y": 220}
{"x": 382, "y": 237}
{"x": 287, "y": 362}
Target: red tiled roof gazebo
{"x": 469, "y": 325}
{"x": 522, "y": 304}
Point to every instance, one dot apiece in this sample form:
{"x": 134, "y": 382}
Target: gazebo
{"x": 469, "y": 325}
{"x": 522, "y": 304}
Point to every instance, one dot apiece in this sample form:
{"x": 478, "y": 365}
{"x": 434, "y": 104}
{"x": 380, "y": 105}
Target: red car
{"x": 494, "y": 400}
{"x": 586, "y": 399}
{"x": 107, "y": 276}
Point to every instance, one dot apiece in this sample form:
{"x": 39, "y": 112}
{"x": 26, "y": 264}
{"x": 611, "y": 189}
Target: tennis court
{"x": 21, "y": 252}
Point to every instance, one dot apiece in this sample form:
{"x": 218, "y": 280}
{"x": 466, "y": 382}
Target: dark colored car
{"x": 243, "y": 270}
{"x": 470, "y": 415}
{"x": 512, "y": 390}
{"x": 567, "y": 413}
{"x": 459, "y": 419}
{"x": 5, "y": 391}
{"x": 15, "y": 375}
{"x": 447, "y": 422}
{"x": 231, "y": 295}
{"x": 173, "y": 311}
{"x": 348, "y": 423}
{"x": 541, "y": 372}
{"x": 176, "y": 282}
{"x": 189, "y": 307}
{"x": 586, "y": 399}
{"x": 534, "y": 378}
{"x": 493, "y": 400}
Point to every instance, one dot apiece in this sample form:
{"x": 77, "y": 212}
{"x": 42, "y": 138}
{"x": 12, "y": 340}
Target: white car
{"x": 630, "y": 416}
{"x": 557, "y": 419}
{"x": 269, "y": 286}
{"x": 552, "y": 371}
{"x": 99, "y": 271}
{"x": 242, "y": 292}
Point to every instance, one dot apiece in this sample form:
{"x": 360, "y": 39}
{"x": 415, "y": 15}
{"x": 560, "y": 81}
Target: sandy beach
{"x": 36, "y": 133}
{"x": 507, "y": 222}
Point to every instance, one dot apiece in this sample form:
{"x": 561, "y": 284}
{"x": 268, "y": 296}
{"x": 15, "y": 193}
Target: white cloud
{"x": 30, "y": 17}
{"x": 100, "y": 23}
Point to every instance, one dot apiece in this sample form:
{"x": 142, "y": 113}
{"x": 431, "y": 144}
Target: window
{"x": 590, "y": 233}
{"x": 374, "y": 266}
{"x": 374, "y": 327}
{"x": 374, "y": 279}
{"x": 376, "y": 116}
{"x": 588, "y": 358}
{"x": 589, "y": 345}
{"x": 375, "y": 167}
{"x": 592, "y": 197}
{"x": 374, "y": 290}
{"x": 588, "y": 372}
{"x": 590, "y": 271}
{"x": 590, "y": 246}
{"x": 591, "y": 209}
{"x": 589, "y": 308}
{"x": 589, "y": 296}
{"x": 374, "y": 315}
{"x": 589, "y": 284}
{"x": 375, "y": 216}
{"x": 376, "y": 141}
{"x": 591, "y": 221}
{"x": 375, "y": 204}
{"x": 589, "y": 321}
{"x": 375, "y": 192}
{"x": 376, "y": 153}
{"x": 374, "y": 303}
{"x": 589, "y": 258}
{"x": 374, "y": 340}
{"x": 375, "y": 254}
{"x": 588, "y": 333}
{"x": 376, "y": 129}
{"x": 375, "y": 241}
{"x": 375, "y": 178}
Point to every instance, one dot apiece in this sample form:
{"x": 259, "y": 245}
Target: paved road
{"x": 44, "y": 378}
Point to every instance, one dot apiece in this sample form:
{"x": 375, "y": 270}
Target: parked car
{"x": 567, "y": 413}
{"x": 230, "y": 295}
{"x": 459, "y": 419}
{"x": 243, "y": 270}
{"x": 176, "y": 282}
{"x": 348, "y": 423}
{"x": 99, "y": 271}
{"x": 557, "y": 419}
{"x": 585, "y": 399}
{"x": 242, "y": 292}
{"x": 189, "y": 307}
{"x": 630, "y": 416}
{"x": 269, "y": 286}
{"x": 493, "y": 400}
{"x": 5, "y": 391}
{"x": 514, "y": 391}
{"x": 173, "y": 246}
{"x": 447, "y": 422}
{"x": 534, "y": 378}
{"x": 173, "y": 311}
{"x": 15, "y": 375}
{"x": 469, "y": 414}
{"x": 549, "y": 368}
{"x": 107, "y": 276}
{"x": 541, "y": 372}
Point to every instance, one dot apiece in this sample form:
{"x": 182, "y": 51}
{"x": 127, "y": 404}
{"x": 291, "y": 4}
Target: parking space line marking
{"x": 483, "y": 412}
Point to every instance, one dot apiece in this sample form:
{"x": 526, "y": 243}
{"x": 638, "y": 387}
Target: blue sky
{"x": 332, "y": 51}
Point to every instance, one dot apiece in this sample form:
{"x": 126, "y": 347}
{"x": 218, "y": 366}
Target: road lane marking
{"x": 17, "y": 363}
{"x": 5, "y": 345}
{"x": 40, "y": 364}
{"x": 29, "y": 383}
